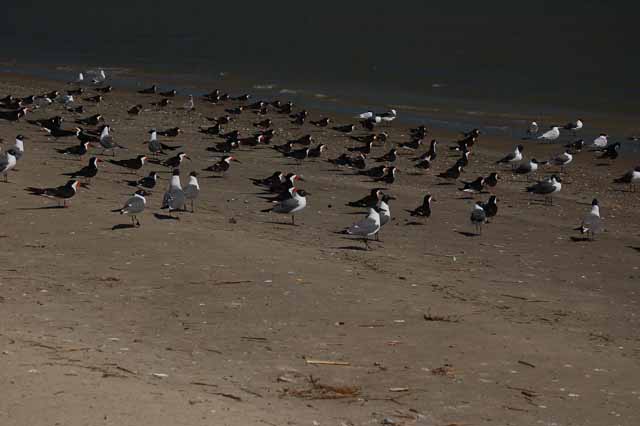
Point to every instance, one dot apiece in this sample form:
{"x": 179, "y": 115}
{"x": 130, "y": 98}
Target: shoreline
{"x": 218, "y": 317}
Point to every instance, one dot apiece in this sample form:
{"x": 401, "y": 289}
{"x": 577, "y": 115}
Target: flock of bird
{"x": 281, "y": 189}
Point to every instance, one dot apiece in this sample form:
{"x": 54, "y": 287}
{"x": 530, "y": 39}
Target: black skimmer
{"x": 192, "y": 190}
{"x": 490, "y": 207}
{"x": 58, "y": 133}
{"x": 75, "y": 92}
{"x": 87, "y": 172}
{"x": 286, "y": 108}
{"x": 575, "y": 126}
{"x": 63, "y": 192}
{"x": 134, "y": 164}
{"x": 225, "y": 119}
{"x": 512, "y": 157}
{"x": 77, "y": 110}
{"x": 292, "y": 205}
{"x": 134, "y": 206}
{"x": 389, "y": 175}
{"x": 373, "y": 172}
{"x": 162, "y": 103}
{"x": 147, "y": 182}
{"x": 424, "y": 209}
{"x": 576, "y": 146}
{"x": 283, "y": 185}
{"x": 305, "y": 140}
{"x": 592, "y": 223}
{"x": 298, "y": 154}
{"x": 93, "y": 120}
{"x": 95, "y": 99}
{"x": 15, "y": 115}
{"x": 105, "y": 89}
{"x": 546, "y": 188}
{"x": 211, "y": 130}
{"x": 316, "y": 151}
{"x": 168, "y": 93}
{"x": 7, "y": 162}
{"x": 151, "y": 90}
{"x": 235, "y": 111}
{"x": 284, "y": 195}
{"x": 277, "y": 176}
{"x": 223, "y": 165}
{"x": 49, "y": 123}
{"x": 492, "y": 179}
{"x": 365, "y": 149}
{"x": 265, "y": 124}
{"x": 341, "y": 160}
{"x": 423, "y": 164}
{"x": 430, "y": 155}
{"x": 323, "y": 122}
{"x": 370, "y": 200}
{"x": 610, "y": 152}
{"x": 474, "y": 187}
{"x": 463, "y": 161}
{"x": 174, "y": 162}
{"x": 76, "y": 150}
{"x": 478, "y": 217}
{"x": 419, "y": 132}
{"x": 389, "y": 157}
{"x": 242, "y": 98}
{"x": 366, "y": 228}
{"x": 174, "y": 199}
{"x": 412, "y": 145}
{"x": 257, "y": 105}
{"x": 631, "y": 178}
{"x": 224, "y": 147}
{"x": 348, "y": 128}
{"x": 135, "y": 110}
{"x": 365, "y": 139}
{"x": 451, "y": 173}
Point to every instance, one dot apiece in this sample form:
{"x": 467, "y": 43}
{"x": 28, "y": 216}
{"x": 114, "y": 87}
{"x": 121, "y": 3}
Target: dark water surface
{"x": 520, "y": 57}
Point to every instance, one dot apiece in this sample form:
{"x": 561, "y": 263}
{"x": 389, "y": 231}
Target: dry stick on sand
{"x": 324, "y": 362}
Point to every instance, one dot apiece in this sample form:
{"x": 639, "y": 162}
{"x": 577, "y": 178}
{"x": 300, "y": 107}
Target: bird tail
{"x": 582, "y": 229}
{"x": 117, "y": 211}
{"x": 267, "y": 210}
{"x": 35, "y": 191}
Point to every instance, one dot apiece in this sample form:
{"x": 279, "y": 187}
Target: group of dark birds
{"x": 280, "y": 189}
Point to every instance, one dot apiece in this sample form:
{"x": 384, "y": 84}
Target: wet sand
{"x": 219, "y": 317}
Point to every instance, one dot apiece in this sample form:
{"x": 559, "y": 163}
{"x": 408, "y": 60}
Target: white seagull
{"x": 601, "y": 141}
{"x": 551, "y": 134}
{"x": 592, "y": 223}
{"x": 367, "y": 227}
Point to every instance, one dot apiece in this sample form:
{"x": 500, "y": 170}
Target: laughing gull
{"x": 107, "y": 143}
{"x": 512, "y": 157}
{"x": 63, "y": 192}
{"x": 478, "y": 217}
{"x": 292, "y": 205}
{"x": 7, "y": 162}
{"x": 526, "y": 168}
{"x": 546, "y": 188}
{"x": 174, "y": 198}
{"x": 192, "y": 190}
{"x": 592, "y": 223}
{"x": 490, "y": 207}
{"x": 632, "y": 177}
{"x": 562, "y": 160}
{"x": 384, "y": 211}
{"x": 423, "y": 210}
{"x": 134, "y": 206}
{"x": 366, "y": 227}
{"x": 550, "y": 135}
{"x": 18, "y": 147}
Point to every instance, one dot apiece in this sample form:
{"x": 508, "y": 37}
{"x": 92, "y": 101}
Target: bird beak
{"x": 236, "y": 160}
{"x": 300, "y": 178}
{"x": 187, "y": 157}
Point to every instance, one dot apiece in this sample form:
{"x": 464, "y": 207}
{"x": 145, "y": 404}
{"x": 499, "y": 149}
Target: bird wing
{"x": 366, "y": 226}
{"x": 133, "y": 205}
{"x": 286, "y": 206}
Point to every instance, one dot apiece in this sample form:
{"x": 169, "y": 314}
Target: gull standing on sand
{"x": 527, "y": 168}
{"x": 384, "y": 211}
{"x": 174, "y": 198}
{"x": 18, "y": 148}
{"x": 551, "y": 134}
{"x": 592, "y": 223}
{"x": 601, "y": 141}
{"x": 134, "y": 206}
{"x": 366, "y": 228}
{"x": 293, "y": 205}
{"x": 512, "y": 157}
{"x": 546, "y": 187}
{"x": 7, "y": 162}
{"x": 192, "y": 190}
{"x": 632, "y": 177}
{"x": 107, "y": 143}
{"x": 562, "y": 160}
{"x": 190, "y": 105}
{"x": 478, "y": 217}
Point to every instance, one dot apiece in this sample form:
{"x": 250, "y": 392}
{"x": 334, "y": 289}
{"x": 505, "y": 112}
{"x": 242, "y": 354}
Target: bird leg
{"x": 366, "y": 243}
{"x": 293, "y": 220}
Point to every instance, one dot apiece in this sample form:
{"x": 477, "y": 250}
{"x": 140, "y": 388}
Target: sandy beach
{"x": 230, "y": 316}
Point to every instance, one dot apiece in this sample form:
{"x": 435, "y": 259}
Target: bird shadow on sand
{"x": 634, "y": 248}
{"x": 414, "y": 174}
{"x": 356, "y": 248}
{"x": 581, "y": 239}
{"x": 603, "y": 164}
{"x": 122, "y": 226}
{"x": 468, "y": 234}
{"x": 43, "y": 208}
{"x": 161, "y": 216}
{"x": 214, "y": 177}
{"x": 273, "y": 222}
{"x": 413, "y": 223}
{"x": 444, "y": 183}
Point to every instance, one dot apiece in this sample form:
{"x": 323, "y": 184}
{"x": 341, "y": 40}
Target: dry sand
{"x": 213, "y": 321}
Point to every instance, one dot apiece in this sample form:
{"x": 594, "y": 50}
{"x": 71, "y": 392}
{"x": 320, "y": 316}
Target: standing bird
{"x": 174, "y": 162}
{"x": 75, "y": 150}
{"x": 451, "y": 173}
{"x": 135, "y": 110}
{"x": 492, "y": 179}
{"x": 527, "y": 168}
{"x": 490, "y": 207}
{"x": 87, "y": 172}
{"x": 370, "y": 200}
{"x": 630, "y": 178}
{"x": 134, "y": 164}
{"x": 316, "y": 152}
{"x": 18, "y": 147}
{"x": 192, "y": 190}
{"x": 223, "y": 165}
{"x": 474, "y": 187}
{"x": 367, "y": 227}
{"x": 389, "y": 157}
{"x": 576, "y": 146}
{"x": 533, "y": 129}
{"x": 601, "y": 141}
{"x": 7, "y": 162}
{"x": 574, "y": 127}
{"x": 107, "y": 142}
{"x": 151, "y": 90}
{"x": 147, "y": 182}
{"x": 174, "y": 198}
{"x": 63, "y": 192}
{"x": 592, "y": 223}
{"x": 610, "y": 152}
{"x": 134, "y": 206}
{"x": 546, "y": 188}
{"x": 512, "y": 157}
{"x": 562, "y": 160}
{"x": 323, "y": 122}
{"x": 291, "y": 206}
{"x": 389, "y": 175}
{"x": 478, "y": 217}
{"x": 551, "y": 134}
{"x": 423, "y": 210}
{"x": 384, "y": 211}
